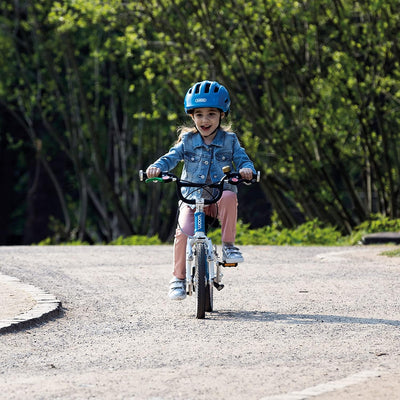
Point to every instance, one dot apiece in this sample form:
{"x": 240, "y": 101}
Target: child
{"x": 205, "y": 149}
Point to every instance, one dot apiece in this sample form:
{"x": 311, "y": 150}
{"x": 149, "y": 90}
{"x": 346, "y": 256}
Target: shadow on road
{"x": 262, "y": 316}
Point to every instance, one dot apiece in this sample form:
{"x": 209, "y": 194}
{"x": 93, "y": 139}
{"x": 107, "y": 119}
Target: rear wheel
{"x": 200, "y": 280}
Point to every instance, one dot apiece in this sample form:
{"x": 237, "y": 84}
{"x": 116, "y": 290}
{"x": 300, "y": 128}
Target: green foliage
{"x": 137, "y": 240}
{"x": 315, "y": 90}
{"x": 307, "y": 234}
{"x": 391, "y": 253}
{"x": 311, "y": 233}
{"x": 51, "y": 242}
{"x": 377, "y": 223}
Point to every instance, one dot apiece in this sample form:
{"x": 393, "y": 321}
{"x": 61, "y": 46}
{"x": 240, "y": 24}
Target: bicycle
{"x": 203, "y": 263}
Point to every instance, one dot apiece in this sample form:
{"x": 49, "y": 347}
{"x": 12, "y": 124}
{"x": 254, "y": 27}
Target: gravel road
{"x": 291, "y": 323}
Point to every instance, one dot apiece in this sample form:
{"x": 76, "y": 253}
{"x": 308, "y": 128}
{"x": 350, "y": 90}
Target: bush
{"x": 121, "y": 241}
{"x": 51, "y": 242}
{"x": 377, "y": 223}
{"x": 136, "y": 240}
{"x": 309, "y": 233}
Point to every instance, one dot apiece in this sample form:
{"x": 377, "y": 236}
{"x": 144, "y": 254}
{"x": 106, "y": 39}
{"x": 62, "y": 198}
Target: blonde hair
{"x": 184, "y": 129}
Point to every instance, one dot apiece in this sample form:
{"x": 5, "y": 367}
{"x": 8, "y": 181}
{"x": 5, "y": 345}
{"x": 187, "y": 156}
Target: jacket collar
{"x": 218, "y": 140}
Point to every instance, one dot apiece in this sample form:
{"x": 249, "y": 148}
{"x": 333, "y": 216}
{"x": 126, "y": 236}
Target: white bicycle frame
{"x": 214, "y": 274}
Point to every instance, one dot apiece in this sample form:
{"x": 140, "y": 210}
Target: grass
{"x": 391, "y": 253}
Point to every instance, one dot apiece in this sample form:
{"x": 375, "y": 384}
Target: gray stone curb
{"x": 47, "y": 306}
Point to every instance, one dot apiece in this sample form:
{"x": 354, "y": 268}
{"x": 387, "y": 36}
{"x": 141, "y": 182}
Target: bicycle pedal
{"x": 219, "y": 286}
{"x": 229, "y": 265}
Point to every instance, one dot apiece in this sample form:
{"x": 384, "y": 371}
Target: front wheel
{"x": 200, "y": 280}
{"x": 209, "y": 297}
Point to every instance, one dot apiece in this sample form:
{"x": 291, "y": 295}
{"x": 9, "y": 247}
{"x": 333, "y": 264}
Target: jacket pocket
{"x": 223, "y": 156}
{"x": 191, "y": 157}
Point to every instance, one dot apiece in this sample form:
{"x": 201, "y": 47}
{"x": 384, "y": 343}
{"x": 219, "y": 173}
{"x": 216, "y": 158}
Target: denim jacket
{"x": 201, "y": 159}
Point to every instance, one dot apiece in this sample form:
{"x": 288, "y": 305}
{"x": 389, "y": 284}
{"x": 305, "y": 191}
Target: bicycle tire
{"x": 200, "y": 280}
{"x": 209, "y": 297}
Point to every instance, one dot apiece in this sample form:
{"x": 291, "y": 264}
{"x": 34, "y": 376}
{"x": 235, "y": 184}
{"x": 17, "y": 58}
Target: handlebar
{"x": 234, "y": 178}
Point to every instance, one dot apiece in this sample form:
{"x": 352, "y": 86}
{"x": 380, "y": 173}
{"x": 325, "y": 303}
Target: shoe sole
{"x": 233, "y": 260}
{"x": 177, "y": 298}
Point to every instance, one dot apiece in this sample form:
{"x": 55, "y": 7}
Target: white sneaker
{"x": 231, "y": 254}
{"x": 177, "y": 289}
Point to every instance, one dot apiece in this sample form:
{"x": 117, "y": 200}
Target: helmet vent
{"x": 197, "y": 88}
{"x": 216, "y": 88}
{"x": 207, "y": 87}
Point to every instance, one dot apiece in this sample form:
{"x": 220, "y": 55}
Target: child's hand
{"x": 153, "y": 172}
{"x": 246, "y": 173}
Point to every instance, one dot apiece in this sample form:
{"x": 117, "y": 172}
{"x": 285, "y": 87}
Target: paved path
{"x": 291, "y": 323}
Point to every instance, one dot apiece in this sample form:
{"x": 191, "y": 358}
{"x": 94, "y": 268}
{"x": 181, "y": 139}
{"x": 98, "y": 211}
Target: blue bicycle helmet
{"x": 207, "y": 94}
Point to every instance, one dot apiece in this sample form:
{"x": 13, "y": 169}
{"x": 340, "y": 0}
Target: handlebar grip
{"x": 165, "y": 177}
{"x": 236, "y": 179}
{"x": 256, "y": 178}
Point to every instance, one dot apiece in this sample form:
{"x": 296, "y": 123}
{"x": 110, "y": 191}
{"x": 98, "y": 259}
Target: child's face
{"x": 207, "y": 120}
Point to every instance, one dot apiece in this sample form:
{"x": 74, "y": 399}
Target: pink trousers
{"x": 227, "y": 215}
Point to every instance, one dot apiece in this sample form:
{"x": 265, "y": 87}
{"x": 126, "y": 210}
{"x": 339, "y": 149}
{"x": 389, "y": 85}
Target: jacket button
{"x": 202, "y": 176}
{"x": 206, "y": 162}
